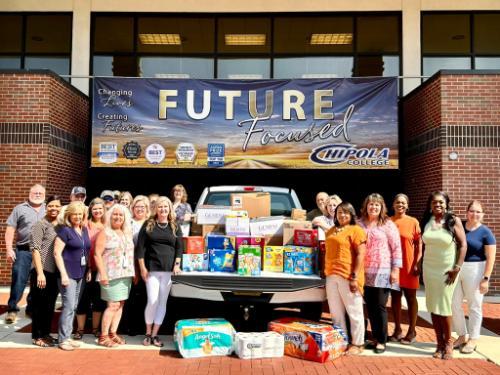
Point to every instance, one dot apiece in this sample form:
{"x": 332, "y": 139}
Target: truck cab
{"x": 255, "y": 296}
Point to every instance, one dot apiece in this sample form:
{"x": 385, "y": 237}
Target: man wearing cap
{"x": 19, "y": 223}
{"x": 108, "y": 197}
{"x": 78, "y": 193}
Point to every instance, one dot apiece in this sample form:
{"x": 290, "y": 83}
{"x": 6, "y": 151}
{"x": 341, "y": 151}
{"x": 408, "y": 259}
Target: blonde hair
{"x": 184, "y": 193}
{"x": 151, "y": 222}
{"x": 125, "y": 194}
{"x": 74, "y": 208}
{"x": 141, "y": 198}
{"x": 126, "y": 226}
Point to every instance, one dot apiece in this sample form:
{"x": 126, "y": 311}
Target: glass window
{"x": 243, "y": 68}
{"x": 244, "y": 35}
{"x": 176, "y": 67}
{"x": 59, "y": 65}
{"x": 313, "y": 67}
{"x": 446, "y": 33}
{"x": 10, "y": 33}
{"x": 176, "y": 35}
{"x": 433, "y": 64}
{"x": 124, "y": 66}
{"x": 377, "y": 34}
{"x": 48, "y": 34}
{"x": 371, "y": 66}
{"x": 114, "y": 34}
{"x": 313, "y": 34}
{"x": 487, "y": 33}
{"x": 487, "y": 62}
{"x": 10, "y": 62}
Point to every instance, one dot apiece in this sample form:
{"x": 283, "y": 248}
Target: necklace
{"x": 162, "y": 225}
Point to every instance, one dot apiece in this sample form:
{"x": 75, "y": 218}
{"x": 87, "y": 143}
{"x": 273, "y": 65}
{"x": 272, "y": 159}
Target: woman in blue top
{"x": 71, "y": 252}
{"x": 473, "y": 280}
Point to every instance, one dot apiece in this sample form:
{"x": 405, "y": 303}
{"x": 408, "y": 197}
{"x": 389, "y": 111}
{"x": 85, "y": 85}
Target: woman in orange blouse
{"x": 411, "y": 246}
{"x": 345, "y": 249}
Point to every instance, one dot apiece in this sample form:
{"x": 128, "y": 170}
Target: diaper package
{"x": 221, "y": 260}
{"x": 249, "y": 260}
{"x": 195, "y": 262}
{"x": 273, "y": 259}
{"x": 310, "y": 340}
{"x": 203, "y": 337}
{"x": 252, "y": 345}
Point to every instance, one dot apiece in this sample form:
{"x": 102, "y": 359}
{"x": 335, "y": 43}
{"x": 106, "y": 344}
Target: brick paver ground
{"x": 96, "y": 362}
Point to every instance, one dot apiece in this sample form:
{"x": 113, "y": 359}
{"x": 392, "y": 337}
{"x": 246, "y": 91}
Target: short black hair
{"x": 345, "y": 206}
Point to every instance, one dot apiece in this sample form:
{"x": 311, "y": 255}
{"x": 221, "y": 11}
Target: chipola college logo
{"x": 108, "y": 152}
{"x": 350, "y": 154}
{"x": 155, "y": 153}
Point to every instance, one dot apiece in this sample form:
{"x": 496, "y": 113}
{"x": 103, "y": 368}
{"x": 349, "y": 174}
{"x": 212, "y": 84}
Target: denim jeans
{"x": 70, "y": 295}
{"x": 20, "y": 274}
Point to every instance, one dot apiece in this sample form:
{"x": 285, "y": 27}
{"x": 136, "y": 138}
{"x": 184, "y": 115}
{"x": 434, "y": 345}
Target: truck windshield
{"x": 281, "y": 203}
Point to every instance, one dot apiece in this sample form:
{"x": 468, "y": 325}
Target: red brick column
{"x": 458, "y": 115}
{"x": 43, "y": 139}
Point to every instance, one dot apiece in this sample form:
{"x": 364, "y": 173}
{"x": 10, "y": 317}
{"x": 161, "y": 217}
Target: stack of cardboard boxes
{"x": 244, "y": 238}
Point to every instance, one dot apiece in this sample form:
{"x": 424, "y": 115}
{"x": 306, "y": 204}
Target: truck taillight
{"x": 249, "y": 188}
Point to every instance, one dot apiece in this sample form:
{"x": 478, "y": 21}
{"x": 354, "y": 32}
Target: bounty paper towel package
{"x": 252, "y": 345}
{"x": 203, "y": 337}
{"x": 310, "y": 340}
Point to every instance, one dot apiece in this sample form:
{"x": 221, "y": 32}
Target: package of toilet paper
{"x": 203, "y": 337}
{"x": 252, "y": 345}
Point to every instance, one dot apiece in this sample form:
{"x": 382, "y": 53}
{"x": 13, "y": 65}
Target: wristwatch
{"x": 486, "y": 278}
{"x": 352, "y": 276}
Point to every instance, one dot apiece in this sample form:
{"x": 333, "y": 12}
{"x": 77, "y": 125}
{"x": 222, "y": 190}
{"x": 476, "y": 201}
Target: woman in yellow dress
{"x": 445, "y": 247}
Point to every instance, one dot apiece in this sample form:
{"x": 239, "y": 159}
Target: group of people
{"x": 93, "y": 256}
{"x": 373, "y": 256}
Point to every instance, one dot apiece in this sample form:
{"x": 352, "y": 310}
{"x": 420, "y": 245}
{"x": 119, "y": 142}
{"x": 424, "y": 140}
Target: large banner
{"x": 302, "y": 123}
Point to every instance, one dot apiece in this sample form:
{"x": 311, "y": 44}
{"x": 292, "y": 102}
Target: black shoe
{"x": 379, "y": 349}
{"x": 370, "y": 345}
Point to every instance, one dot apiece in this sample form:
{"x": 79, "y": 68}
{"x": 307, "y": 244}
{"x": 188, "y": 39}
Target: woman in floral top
{"x": 114, "y": 258}
{"x": 382, "y": 263}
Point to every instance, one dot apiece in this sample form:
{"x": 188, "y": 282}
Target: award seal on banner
{"x": 108, "y": 152}
{"x": 155, "y": 153}
{"x": 131, "y": 150}
{"x": 215, "y": 154}
{"x": 185, "y": 153}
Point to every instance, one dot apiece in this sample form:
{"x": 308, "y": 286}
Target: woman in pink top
{"x": 382, "y": 263}
{"x": 91, "y": 299}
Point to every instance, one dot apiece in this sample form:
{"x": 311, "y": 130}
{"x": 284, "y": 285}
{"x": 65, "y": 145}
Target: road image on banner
{"x": 296, "y": 124}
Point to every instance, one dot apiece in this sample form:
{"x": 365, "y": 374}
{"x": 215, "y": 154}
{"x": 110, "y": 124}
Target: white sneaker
{"x": 66, "y": 345}
{"x": 73, "y": 343}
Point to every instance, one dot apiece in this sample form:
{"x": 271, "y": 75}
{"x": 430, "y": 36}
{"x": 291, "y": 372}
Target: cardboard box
{"x": 203, "y": 230}
{"x": 299, "y": 262}
{"x": 250, "y": 240}
{"x": 194, "y": 245}
{"x": 257, "y": 204}
{"x": 221, "y": 260}
{"x": 195, "y": 262}
{"x": 237, "y": 226}
{"x": 212, "y": 214}
{"x": 289, "y": 228}
{"x": 249, "y": 260}
{"x": 220, "y": 241}
{"x": 271, "y": 226}
{"x": 299, "y": 214}
{"x": 305, "y": 237}
{"x": 273, "y": 259}
{"x": 310, "y": 340}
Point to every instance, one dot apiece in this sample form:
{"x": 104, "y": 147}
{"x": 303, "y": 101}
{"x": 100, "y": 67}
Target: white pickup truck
{"x": 256, "y": 297}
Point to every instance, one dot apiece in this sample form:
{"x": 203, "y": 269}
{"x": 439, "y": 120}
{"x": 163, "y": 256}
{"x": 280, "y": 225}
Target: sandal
{"x": 448, "y": 350}
{"x": 106, "y": 341}
{"x": 78, "y": 335}
{"x": 40, "y": 342}
{"x": 52, "y": 341}
{"x": 396, "y": 338}
{"x": 468, "y": 348}
{"x": 355, "y": 350}
{"x": 116, "y": 338}
{"x": 147, "y": 340}
{"x": 408, "y": 340}
{"x": 157, "y": 342}
{"x": 95, "y": 332}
